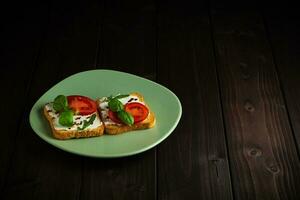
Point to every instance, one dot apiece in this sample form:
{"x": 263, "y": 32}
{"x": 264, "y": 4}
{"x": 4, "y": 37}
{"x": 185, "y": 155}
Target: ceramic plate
{"x": 98, "y": 83}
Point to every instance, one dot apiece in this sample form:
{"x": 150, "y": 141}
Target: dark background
{"x": 234, "y": 66}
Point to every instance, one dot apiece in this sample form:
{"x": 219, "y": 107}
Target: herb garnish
{"x": 116, "y": 106}
{"x": 66, "y": 118}
{"x": 120, "y": 96}
{"x": 60, "y": 105}
{"x": 86, "y": 123}
{"x": 125, "y": 117}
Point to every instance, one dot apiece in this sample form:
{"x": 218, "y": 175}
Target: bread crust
{"x": 63, "y": 135}
{"x": 113, "y": 129}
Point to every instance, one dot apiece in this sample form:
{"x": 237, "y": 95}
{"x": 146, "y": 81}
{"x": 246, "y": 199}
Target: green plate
{"x": 99, "y": 83}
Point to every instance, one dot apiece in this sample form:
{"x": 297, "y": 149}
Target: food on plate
{"x": 77, "y": 116}
{"x": 73, "y": 116}
{"x": 124, "y": 113}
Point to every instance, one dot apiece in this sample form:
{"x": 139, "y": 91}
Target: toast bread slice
{"x": 68, "y": 133}
{"x": 113, "y": 128}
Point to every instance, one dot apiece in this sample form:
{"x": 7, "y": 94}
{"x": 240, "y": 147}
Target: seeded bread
{"x": 117, "y": 128}
{"x": 69, "y": 133}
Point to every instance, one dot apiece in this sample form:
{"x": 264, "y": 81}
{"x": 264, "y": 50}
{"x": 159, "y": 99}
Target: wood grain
{"x": 21, "y": 35}
{"x": 283, "y": 32}
{"x": 192, "y": 161}
{"x": 40, "y": 171}
{"x": 127, "y": 43}
{"x": 128, "y": 39}
{"x": 234, "y": 70}
{"x": 263, "y": 156}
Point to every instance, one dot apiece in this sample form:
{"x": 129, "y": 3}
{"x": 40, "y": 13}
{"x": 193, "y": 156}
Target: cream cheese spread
{"x": 77, "y": 120}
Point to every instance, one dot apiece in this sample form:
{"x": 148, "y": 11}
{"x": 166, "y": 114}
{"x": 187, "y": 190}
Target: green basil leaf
{"x": 109, "y": 98}
{"x": 66, "y": 118}
{"x": 115, "y": 105}
{"x": 60, "y": 103}
{"x": 86, "y": 123}
{"x": 92, "y": 119}
{"x": 125, "y": 117}
{"x": 120, "y": 96}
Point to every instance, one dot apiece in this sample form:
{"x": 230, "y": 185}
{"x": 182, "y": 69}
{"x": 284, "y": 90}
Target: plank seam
{"x": 26, "y": 103}
{"x": 156, "y": 79}
{"x": 98, "y": 59}
{"x": 219, "y": 95}
{"x": 99, "y": 48}
{"x": 276, "y": 69}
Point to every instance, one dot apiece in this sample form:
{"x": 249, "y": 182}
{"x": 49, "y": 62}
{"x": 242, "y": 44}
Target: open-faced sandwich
{"x": 77, "y": 116}
{"x": 73, "y": 117}
{"x": 124, "y": 113}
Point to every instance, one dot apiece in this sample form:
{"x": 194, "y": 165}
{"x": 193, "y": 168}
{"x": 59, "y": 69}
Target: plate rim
{"x": 134, "y": 152}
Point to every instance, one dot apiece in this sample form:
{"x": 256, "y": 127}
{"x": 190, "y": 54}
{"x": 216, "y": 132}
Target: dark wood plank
{"x": 262, "y": 152}
{"x": 192, "y": 161}
{"x": 127, "y": 44}
{"x": 40, "y": 171}
{"x": 284, "y": 29}
{"x": 21, "y": 35}
{"x": 128, "y": 40}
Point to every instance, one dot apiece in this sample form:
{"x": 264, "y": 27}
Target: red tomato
{"x": 137, "y": 110}
{"x": 82, "y": 105}
{"x": 114, "y": 117}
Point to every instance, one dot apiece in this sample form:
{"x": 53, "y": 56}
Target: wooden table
{"x": 234, "y": 68}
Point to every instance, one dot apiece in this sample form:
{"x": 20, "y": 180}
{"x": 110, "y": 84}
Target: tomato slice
{"x": 114, "y": 117}
{"x": 137, "y": 110}
{"x": 82, "y": 105}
